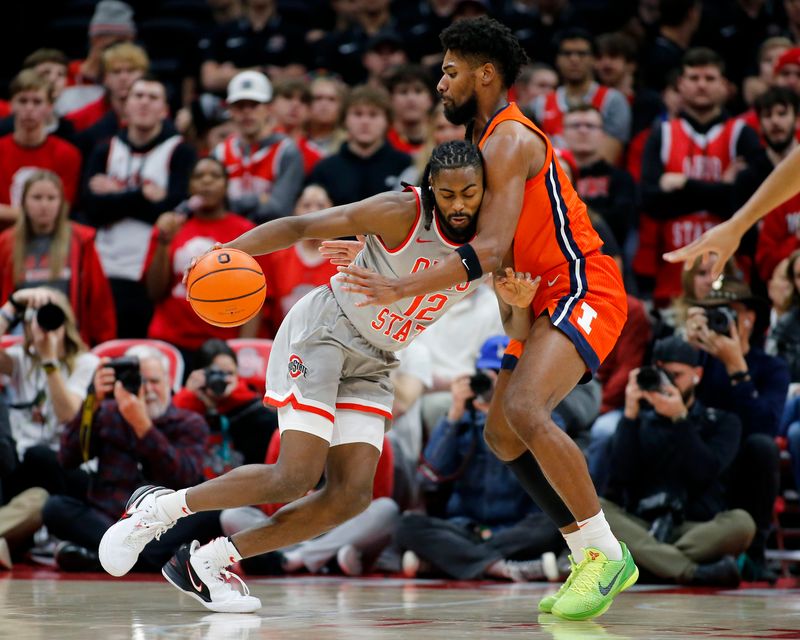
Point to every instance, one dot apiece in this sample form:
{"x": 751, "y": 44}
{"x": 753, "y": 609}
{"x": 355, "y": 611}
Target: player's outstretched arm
{"x": 507, "y": 158}
{"x": 388, "y": 215}
{"x": 723, "y": 240}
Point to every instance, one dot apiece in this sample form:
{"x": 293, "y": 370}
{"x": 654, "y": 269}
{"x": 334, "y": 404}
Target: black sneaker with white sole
{"x": 199, "y": 576}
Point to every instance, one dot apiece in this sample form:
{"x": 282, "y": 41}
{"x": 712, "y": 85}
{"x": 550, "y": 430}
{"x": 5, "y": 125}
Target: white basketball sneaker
{"x": 125, "y": 539}
{"x": 200, "y": 576}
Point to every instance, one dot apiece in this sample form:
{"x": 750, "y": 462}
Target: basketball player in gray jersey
{"x": 328, "y": 375}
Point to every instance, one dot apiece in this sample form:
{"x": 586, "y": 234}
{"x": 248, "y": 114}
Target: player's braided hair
{"x": 455, "y": 154}
{"x": 487, "y": 40}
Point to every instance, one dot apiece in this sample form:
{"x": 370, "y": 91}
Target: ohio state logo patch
{"x": 296, "y": 366}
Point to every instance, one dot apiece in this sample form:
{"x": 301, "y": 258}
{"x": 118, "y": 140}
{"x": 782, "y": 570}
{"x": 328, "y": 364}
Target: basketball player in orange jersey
{"x": 577, "y": 312}
{"x": 328, "y": 375}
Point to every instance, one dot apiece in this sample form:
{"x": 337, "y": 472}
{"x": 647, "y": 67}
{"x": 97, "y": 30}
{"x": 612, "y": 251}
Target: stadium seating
{"x": 252, "y": 356}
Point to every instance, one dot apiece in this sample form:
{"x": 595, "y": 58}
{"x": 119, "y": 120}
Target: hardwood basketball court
{"x": 48, "y": 605}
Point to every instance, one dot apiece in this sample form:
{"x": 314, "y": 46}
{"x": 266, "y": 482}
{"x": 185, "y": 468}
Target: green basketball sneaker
{"x": 546, "y": 603}
{"x": 595, "y": 584}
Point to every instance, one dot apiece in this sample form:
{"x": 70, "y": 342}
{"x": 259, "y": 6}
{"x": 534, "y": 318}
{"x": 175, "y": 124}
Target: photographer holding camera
{"x": 138, "y": 437}
{"x": 48, "y": 376}
{"x": 669, "y": 454}
{"x": 241, "y": 426}
{"x": 741, "y": 378}
{"x": 490, "y": 527}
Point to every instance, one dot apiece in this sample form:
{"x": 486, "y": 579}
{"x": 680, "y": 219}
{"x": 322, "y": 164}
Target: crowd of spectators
{"x": 125, "y": 152}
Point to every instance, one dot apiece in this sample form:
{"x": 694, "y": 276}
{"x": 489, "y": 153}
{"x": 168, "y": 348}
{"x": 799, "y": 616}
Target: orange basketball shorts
{"x": 586, "y": 300}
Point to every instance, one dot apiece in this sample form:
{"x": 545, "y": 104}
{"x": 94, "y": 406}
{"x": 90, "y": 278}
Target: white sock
{"x": 222, "y": 551}
{"x": 575, "y": 543}
{"x": 172, "y": 506}
{"x": 597, "y": 534}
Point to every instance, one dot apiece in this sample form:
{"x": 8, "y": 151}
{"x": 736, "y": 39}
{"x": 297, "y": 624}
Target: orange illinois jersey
{"x": 581, "y": 289}
{"x": 553, "y": 226}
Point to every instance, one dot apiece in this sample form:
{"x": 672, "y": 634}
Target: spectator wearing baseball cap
{"x": 741, "y": 378}
{"x": 787, "y": 70}
{"x": 265, "y": 168}
{"x": 111, "y": 23}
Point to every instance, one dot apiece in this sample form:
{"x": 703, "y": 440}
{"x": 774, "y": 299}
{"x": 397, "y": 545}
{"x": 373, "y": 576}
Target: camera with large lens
{"x": 126, "y": 370}
{"x": 664, "y": 511}
{"x": 481, "y": 385}
{"x": 652, "y": 378}
{"x": 720, "y": 319}
{"x": 50, "y": 317}
{"x": 216, "y": 380}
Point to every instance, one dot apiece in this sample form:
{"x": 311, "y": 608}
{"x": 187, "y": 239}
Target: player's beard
{"x": 462, "y": 234}
{"x": 462, "y": 114}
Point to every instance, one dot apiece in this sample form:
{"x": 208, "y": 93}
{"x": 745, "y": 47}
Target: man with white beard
{"x": 136, "y": 438}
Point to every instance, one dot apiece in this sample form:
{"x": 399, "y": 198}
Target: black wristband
{"x": 470, "y": 261}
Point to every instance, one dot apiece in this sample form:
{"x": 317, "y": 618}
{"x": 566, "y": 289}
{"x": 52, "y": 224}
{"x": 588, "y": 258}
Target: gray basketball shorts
{"x": 326, "y": 378}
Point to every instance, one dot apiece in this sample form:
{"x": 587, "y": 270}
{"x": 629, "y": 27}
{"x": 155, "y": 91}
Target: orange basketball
{"x": 226, "y": 287}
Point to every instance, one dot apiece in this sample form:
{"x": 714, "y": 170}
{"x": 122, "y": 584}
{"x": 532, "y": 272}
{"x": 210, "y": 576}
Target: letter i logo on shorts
{"x": 296, "y": 366}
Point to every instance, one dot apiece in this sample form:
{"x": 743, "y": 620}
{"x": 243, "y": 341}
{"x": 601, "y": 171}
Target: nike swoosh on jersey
{"x": 421, "y": 240}
{"x": 550, "y": 283}
{"x": 605, "y": 590}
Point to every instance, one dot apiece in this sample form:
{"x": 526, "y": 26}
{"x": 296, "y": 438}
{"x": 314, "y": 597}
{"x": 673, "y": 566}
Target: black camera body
{"x": 720, "y": 319}
{"x": 652, "y": 378}
{"x": 664, "y": 511}
{"x": 216, "y": 380}
{"x": 126, "y": 370}
{"x": 481, "y": 385}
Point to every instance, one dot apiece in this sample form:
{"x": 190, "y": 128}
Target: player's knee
{"x": 501, "y": 444}
{"x": 346, "y": 502}
{"x": 293, "y": 482}
{"x": 526, "y": 415}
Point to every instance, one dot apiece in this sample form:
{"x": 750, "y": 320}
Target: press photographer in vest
{"x": 139, "y": 174}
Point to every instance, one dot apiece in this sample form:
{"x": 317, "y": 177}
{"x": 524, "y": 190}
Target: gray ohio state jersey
{"x": 394, "y": 326}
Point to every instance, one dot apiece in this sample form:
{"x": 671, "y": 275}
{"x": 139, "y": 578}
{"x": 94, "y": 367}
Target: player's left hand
{"x": 515, "y": 288}
{"x": 193, "y": 261}
{"x": 376, "y": 288}
{"x": 341, "y": 252}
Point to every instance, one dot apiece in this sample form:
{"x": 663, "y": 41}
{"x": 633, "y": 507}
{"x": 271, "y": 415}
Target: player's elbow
{"x": 491, "y": 259}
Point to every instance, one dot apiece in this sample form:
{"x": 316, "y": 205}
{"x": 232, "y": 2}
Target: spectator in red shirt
{"x": 30, "y": 146}
{"x": 290, "y": 109}
{"x": 241, "y": 425}
{"x": 292, "y": 272}
{"x": 45, "y": 249}
{"x": 779, "y": 236}
{"x": 176, "y": 239}
{"x": 410, "y": 88}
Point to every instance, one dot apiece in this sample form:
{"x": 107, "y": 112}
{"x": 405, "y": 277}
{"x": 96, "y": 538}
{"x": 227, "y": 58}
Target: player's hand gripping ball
{"x": 226, "y": 287}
